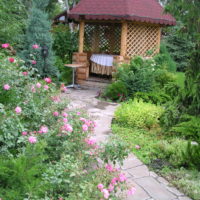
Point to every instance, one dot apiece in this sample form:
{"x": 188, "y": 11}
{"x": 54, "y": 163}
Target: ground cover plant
{"x": 47, "y": 150}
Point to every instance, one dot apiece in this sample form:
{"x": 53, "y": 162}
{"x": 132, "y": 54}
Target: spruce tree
{"x": 38, "y": 33}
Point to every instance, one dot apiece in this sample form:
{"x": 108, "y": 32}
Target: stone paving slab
{"x": 155, "y": 189}
{"x": 149, "y": 186}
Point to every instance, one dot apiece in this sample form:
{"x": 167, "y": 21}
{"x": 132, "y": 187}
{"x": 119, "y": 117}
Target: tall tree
{"x": 12, "y": 21}
{"x": 38, "y": 33}
{"x": 187, "y": 11}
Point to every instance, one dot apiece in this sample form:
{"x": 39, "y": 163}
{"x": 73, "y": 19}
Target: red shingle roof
{"x": 149, "y": 11}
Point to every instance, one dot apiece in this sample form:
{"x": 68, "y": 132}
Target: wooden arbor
{"x": 123, "y": 28}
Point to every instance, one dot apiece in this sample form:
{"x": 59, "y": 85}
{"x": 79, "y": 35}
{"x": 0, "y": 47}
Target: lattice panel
{"x": 142, "y": 40}
{"x": 102, "y": 38}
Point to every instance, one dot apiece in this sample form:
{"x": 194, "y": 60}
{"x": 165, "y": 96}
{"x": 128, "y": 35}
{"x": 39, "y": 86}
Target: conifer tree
{"x": 37, "y": 36}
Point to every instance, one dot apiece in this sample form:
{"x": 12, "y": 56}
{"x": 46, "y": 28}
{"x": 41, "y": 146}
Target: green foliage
{"x": 190, "y": 128}
{"x": 163, "y": 77}
{"x": 172, "y": 89}
{"x": 164, "y": 60}
{"x": 116, "y": 91}
{"x": 190, "y": 97}
{"x": 12, "y": 21}
{"x": 157, "y": 97}
{"x": 115, "y": 151}
{"x": 64, "y": 50}
{"x": 138, "y": 114}
{"x": 22, "y": 175}
{"x": 179, "y": 48}
{"x": 188, "y": 180}
{"x": 65, "y": 42}
{"x": 138, "y": 76}
{"x": 38, "y": 32}
{"x": 170, "y": 116}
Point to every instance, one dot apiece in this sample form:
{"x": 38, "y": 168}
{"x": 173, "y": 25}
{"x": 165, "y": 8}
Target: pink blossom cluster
{"x": 88, "y": 125}
{"x": 32, "y": 135}
{"x": 110, "y": 168}
{"x": 6, "y": 87}
{"x": 56, "y": 99}
{"x": 105, "y": 192}
{"x": 5, "y": 46}
{"x": 11, "y": 60}
{"x": 38, "y": 86}
{"x": 48, "y": 80}
{"x": 43, "y": 129}
{"x": 18, "y": 110}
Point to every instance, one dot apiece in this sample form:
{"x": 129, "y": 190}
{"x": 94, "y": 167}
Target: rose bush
{"x": 47, "y": 149}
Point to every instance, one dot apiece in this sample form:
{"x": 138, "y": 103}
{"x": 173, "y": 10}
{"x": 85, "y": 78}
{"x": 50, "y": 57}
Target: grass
{"x": 162, "y": 153}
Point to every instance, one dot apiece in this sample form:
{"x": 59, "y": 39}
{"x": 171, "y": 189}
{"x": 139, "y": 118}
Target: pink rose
{"x": 111, "y": 188}
{"x": 11, "y": 60}
{"x": 85, "y": 127}
{"x": 24, "y": 133}
{"x": 114, "y": 181}
{"x": 33, "y": 89}
{"x": 33, "y": 62}
{"x": 25, "y": 73}
{"x": 83, "y": 119}
{"x": 47, "y": 80}
{"x": 68, "y": 128}
{"x": 110, "y": 168}
{"x": 38, "y": 85}
{"x": 46, "y": 87}
{"x": 100, "y": 186}
{"x": 44, "y": 129}
{"x": 5, "y": 46}
{"x": 6, "y": 87}
{"x": 55, "y": 114}
{"x": 78, "y": 113}
{"x": 122, "y": 178}
{"x": 65, "y": 120}
{"x": 32, "y": 139}
{"x": 65, "y": 114}
{"x": 90, "y": 141}
{"x": 18, "y": 110}
{"x": 131, "y": 191}
{"x": 137, "y": 146}
{"x": 106, "y": 193}
{"x": 35, "y": 46}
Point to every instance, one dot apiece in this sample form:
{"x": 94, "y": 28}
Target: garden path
{"x": 149, "y": 186}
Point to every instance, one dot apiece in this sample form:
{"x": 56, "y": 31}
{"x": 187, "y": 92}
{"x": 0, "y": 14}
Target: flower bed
{"x": 47, "y": 151}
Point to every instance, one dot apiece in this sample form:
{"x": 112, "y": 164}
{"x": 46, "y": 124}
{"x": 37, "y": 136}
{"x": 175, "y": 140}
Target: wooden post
{"x": 124, "y": 38}
{"x": 81, "y": 36}
{"x": 159, "y": 39}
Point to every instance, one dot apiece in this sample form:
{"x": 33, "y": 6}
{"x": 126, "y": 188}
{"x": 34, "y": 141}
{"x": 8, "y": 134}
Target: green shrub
{"x": 64, "y": 50}
{"x": 179, "y": 47}
{"x": 116, "y": 91}
{"x": 172, "y": 151}
{"x": 164, "y": 60}
{"x": 170, "y": 116}
{"x": 190, "y": 128}
{"x": 22, "y": 175}
{"x": 138, "y": 76}
{"x": 163, "y": 77}
{"x": 138, "y": 114}
{"x": 172, "y": 89}
{"x": 157, "y": 97}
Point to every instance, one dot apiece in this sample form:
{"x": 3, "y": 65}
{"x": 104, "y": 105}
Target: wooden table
{"x": 73, "y": 66}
